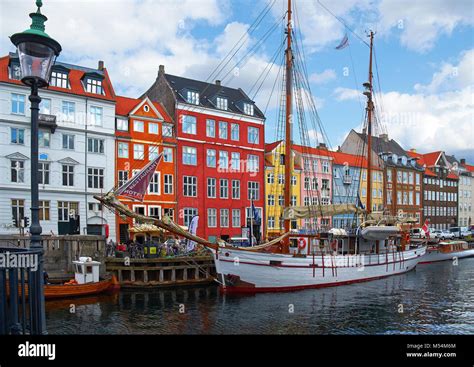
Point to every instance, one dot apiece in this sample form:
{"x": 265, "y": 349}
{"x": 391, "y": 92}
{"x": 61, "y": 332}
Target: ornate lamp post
{"x": 37, "y": 52}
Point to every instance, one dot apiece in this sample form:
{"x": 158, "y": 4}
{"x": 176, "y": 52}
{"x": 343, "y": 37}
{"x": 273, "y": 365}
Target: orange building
{"x": 143, "y": 130}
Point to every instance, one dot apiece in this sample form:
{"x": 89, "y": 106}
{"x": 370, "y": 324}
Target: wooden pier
{"x": 162, "y": 272}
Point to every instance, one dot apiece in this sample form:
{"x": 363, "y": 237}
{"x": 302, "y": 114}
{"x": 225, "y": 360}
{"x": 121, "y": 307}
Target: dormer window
{"x": 59, "y": 79}
{"x": 221, "y": 103}
{"x": 15, "y": 71}
{"x": 192, "y": 97}
{"x": 94, "y": 86}
{"x": 248, "y": 109}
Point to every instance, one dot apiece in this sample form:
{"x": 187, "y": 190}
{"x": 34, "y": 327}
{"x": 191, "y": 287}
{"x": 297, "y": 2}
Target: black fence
{"x": 21, "y": 303}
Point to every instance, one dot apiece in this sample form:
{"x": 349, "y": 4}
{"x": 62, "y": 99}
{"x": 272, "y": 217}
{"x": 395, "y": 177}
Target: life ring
{"x": 301, "y": 243}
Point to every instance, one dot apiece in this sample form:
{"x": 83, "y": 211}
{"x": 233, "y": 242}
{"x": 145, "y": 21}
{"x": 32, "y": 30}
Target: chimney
{"x": 384, "y": 137}
{"x": 161, "y": 69}
{"x": 218, "y": 82}
{"x": 101, "y": 65}
{"x": 322, "y": 146}
{"x": 413, "y": 150}
{"x": 463, "y": 161}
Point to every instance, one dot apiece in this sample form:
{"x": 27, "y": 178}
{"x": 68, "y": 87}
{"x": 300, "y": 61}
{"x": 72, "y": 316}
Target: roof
{"x": 468, "y": 167}
{"x": 351, "y": 159}
{"x": 125, "y": 105}
{"x": 207, "y": 91}
{"x": 271, "y": 146}
{"x": 312, "y": 151}
{"x": 428, "y": 160}
{"x": 76, "y": 73}
{"x": 381, "y": 145}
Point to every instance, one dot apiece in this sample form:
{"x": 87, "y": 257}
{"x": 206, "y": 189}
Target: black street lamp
{"x": 37, "y": 52}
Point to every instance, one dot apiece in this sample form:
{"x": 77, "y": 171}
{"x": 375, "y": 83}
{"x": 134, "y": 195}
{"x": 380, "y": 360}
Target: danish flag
{"x": 426, "y": 229}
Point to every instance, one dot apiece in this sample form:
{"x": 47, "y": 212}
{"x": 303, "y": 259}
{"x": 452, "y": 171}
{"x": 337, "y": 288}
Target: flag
{"x": 344, "y": 43}
{"x": 136, "y": 187}
{"x": 254, "y": 212}
{"x": 426, "y": 229}
{"x": 192, "y": 230}
{"x": 359, "y": 202}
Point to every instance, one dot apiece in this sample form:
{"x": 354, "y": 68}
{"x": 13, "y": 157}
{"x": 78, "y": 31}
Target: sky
{"x": 424, "y": 70}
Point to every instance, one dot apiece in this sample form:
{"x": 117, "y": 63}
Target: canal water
{"x": 434, "y": 299}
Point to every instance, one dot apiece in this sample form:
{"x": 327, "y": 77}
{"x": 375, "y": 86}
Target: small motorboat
{"x": 447, "y": 250}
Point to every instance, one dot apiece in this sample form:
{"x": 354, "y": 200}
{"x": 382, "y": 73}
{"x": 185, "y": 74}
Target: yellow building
{"x": 275, "y": 188}
{"x": 377, "y": 189}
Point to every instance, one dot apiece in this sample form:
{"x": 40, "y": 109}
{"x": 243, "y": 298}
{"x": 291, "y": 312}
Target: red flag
{"x": 426, "y": 229}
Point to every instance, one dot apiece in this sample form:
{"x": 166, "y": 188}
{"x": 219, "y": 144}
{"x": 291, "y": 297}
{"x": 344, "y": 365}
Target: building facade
{"x": 220, "y": 155}
{"x": 402, "y": 179}
{"x": 143, "y": 130}
{"x": 76, "y": 149}
{"x": 440, "y": 189}
{"x": 466, "y": 194}
{"x": 275, "y": 188}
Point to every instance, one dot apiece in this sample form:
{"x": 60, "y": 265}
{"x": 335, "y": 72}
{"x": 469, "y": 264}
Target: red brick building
{"x": 143, "y": 130}
{"x": 220, "y": 156}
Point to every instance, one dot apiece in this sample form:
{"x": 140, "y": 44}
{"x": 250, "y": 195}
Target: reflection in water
{"x": 434, "y": 299}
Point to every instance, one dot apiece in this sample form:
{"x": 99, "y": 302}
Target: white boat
{"x": 447, "y": 250}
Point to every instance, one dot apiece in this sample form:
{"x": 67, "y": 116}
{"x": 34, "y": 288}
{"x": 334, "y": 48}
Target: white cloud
{"x": 421, "y": 23}
{"x": 346, "y": 94}
{"x": 323, "y": 77}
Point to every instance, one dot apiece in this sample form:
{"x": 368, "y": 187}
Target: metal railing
{"x": 20, "y": 282}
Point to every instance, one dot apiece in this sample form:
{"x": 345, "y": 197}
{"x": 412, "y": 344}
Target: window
{"x": 167, "y": 130}
{"x": 189, "y": 214}
{"x": 153, "y": 128}
{"x": 417, "y": 198}
{"x": 168, "y": 155}
{"x": 221, "y": 103}
{"x": 154, "y": 186}
{"x": 224, "y": 188}
{"x": 271, "y": 200}
{"x": 17, "y": 171}
{"x": 190, "y": 156}
{"x": 68, "y": 141}
{"x": 248, "y": 109}
{"x": 18, "y": 103}
{"x": 168, "y": 184}
{"x": 190, "y": 186}
{"x": 138, "y": 126}
{"x": 95, "y": 145}
{"x": 223, "y": 160}
{"x": 271, "y": 222}
{"x": 138, "y": 151}
{"x": 405, "y": 177}
{"x": 123, "y": 150}
{"x": 293, "y": 180}
{"x": 192, "y": 97}
{"x": 235, "y": 189}
{"x": 43, "y": 169}
{"x": 68, "y": 111}
{"x": 15, "y": 71}
{"x": 314, "y": 184}
{"x": 253, "y": 191}
{"x": 95, "y": 178}
{"x": 96, "y": 115}
{"x": 122, "y": 177}
{"x": 67, "y": 209}
{"x": 152, "y": 152}
{"x": 389, "y": 175}
{"x": 235, "y": 162}
{"x": 154, "y": 211}
{"x": 94, "y": 86}
{"x": 234, "y": 132}
{"x": 212, "y": 218}
{"x": 211, "y": 158}
{"x": 210, "y": 128}
{"x": 252, "y": 163}
{"x": 253, "y": 135}
{"x": 236, "y": 218}
{"x": 44, "y": 207}
{"x": 417, "y": 176}
{"x": 222, "y": 130}
{"x": 122, "y": 124}
{"x": 270, "y": 178}
{"x": 293, "y": 200}
{"x": 224, "y": 217}
{"x": 281, "y": 179}
{"x": 45, "y": 106}
{"x": 18, "y": 211}
{"x": 211, "y": 187}
{"x": 44, "y": 138}
{"x": 306, "y": 183}
{"x": 68, "y": 174}
{"x": 410, "y": 178}
{"x": 389, "y": 197}
{"x": 325, "y": 167}
{"x": 17, "y": 136}
{"x": 189, "y": 124}
{"x": 59, "y": 80}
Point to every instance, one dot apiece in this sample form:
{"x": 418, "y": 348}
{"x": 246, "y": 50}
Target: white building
{"x": 466, "y": 194}
{"x": 77, "y": 149}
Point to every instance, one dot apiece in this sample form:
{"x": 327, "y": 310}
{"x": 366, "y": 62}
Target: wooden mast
{"x": 370, "y": 109}
{"x": 288, "y": 126}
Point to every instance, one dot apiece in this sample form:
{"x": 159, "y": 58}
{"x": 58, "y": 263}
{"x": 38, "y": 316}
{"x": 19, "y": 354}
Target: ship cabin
{"x": 86, "y": 270}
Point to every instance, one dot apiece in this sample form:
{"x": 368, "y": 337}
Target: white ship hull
{"x": 436, "y": 255}
{"x": 250, "y": 272}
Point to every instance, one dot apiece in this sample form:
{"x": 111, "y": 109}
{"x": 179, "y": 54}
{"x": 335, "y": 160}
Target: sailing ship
{"x": 377, "y": 248}
{"x": 447, "y": 250}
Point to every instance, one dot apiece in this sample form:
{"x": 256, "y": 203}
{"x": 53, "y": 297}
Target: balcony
{"x": 47, "y": 122}
{"x": 347, "y": 180}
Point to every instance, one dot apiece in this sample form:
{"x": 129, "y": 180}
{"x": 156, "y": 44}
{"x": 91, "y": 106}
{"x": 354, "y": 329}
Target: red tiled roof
{"x": 270, "y": 146}
{"x": 431, "y": 158}
{"x": 351, "y": 159}
{"x": 469, "y": 167}
{"x": 452, "y": 176}
{"x": 125, "y": 105}
{"x": 75, "y": 81}
{"x": 426, "y": 160}
{"x": 313, "y": 151}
